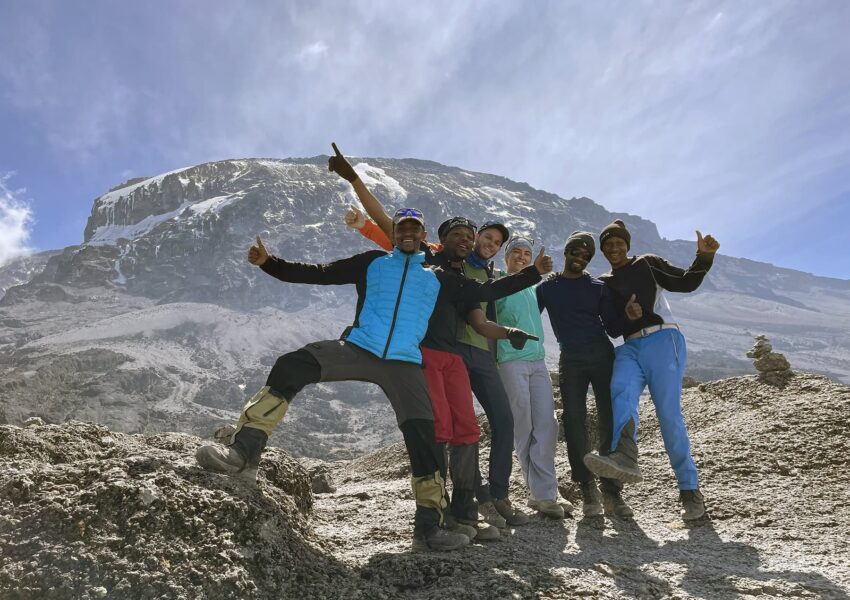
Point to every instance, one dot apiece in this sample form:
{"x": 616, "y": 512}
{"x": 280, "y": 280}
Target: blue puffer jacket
{"x": 400, "y": 296}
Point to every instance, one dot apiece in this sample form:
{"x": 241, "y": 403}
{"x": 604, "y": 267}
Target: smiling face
{"x": 616, "y": 251}
{"x": 489, "y": 242}
{"x": 517, "y": 259}
{"x": 458, "y": 243}
{"x": 576, "y": 259}
{"x": 408, "y": 235}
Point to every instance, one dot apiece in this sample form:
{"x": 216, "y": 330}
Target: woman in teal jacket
{"x": 526, "y": 380}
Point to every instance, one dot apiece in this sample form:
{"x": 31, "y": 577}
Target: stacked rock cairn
{"x": 773, "y": 367}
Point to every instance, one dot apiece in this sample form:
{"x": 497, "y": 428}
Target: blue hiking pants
{"x": 657, "y": 361}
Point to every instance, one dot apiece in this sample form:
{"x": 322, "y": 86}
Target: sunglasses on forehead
{"x": 414, "y": 213}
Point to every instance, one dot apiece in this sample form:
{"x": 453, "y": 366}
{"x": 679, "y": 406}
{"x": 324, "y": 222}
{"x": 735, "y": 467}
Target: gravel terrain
{"x": 89, "y": 513}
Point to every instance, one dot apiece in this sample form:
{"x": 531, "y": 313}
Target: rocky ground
{"x": 86, "y": 513}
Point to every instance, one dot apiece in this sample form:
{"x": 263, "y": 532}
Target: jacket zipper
{"x": 397, "y": 302}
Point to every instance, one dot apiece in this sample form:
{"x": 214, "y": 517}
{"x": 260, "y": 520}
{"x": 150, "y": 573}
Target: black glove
{"x": 341, "y": 167}
{"x": 517, "y": 337}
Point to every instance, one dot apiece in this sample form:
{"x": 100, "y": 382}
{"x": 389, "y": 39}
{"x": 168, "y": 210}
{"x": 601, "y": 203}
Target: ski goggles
{"x": 404, "y": 214}
{"x": 450, "y": 224}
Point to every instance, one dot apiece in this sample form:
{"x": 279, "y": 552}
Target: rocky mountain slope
{"x": 156, "y": 322}
{"x": 90, "y": 513}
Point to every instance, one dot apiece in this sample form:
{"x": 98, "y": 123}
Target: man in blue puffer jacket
{"x": 396, "y": 295}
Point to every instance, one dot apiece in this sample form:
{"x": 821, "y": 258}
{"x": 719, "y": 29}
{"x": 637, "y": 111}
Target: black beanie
{"x": 616, "y": 229}
{"x": 581, "y": 239}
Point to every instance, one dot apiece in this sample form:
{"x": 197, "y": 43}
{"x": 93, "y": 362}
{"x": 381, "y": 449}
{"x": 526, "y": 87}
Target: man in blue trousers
{"x": 653, "y": 354}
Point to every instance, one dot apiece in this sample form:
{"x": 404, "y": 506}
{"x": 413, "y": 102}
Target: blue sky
{"x": 728, "y": 117}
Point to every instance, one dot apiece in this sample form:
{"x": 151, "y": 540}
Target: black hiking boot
{"x": 438, "y": 540}
{"x": 240, "y": 460}
{"x": 591, "y": 500}
{"x": 615, "y": 506}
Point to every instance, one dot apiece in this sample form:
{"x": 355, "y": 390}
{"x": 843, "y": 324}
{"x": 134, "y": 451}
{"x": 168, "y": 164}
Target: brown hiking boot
{"x": 491, "y": 515}
{"x": 551, "y": 509}
{"x": 511, "y": 515}
{"x": 615, "y": 506}
{"x": 484, "y": 532}
{"x": 693, "y": 504}
{"x": 621, "y": 464}
{"x": 591, "y": 500}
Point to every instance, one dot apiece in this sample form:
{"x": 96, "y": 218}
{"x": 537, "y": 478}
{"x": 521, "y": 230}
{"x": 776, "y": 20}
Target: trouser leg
{"x": 543, "y": 481}
{"x": 573, "y": 380}
{"x": 434, "y": 375}
{"x": 515, "y": 380}
{"x": 462, "y": 467}
{"x": 600, "y": 379}
{"x": 627, "y": 383}
{"x": 426, "y": 466}
{"x": 488, "y": 389}
{"x": 664, "y": 359}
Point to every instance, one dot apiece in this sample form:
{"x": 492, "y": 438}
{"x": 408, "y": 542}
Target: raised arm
{"x": 505, "y": 286}
{"x": 339, "y": 165}
{"x": 367, "y": 228}
{"x": 340, "y": 272}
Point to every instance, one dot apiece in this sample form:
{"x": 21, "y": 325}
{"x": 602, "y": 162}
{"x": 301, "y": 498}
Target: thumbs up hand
{"x": 354, "y": 218}
{"x": 633, "y": 309}
{"x": 257, "y": 254}
{"x": 543, "y": 262}
{"x": 340, "y": 166}
{"x": 707, "y": 244}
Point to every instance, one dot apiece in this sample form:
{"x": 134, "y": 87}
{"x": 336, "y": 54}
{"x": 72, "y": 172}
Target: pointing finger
{"x": 338, "y": 153}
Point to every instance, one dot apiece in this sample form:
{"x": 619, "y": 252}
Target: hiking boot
{"x": 693, "y": 504}
{"x": 456, "y": 526}
{"x": 240, "y": 460}
{"x": 484, "y": 532}
{"x": 621, "y": 464}
{"x": 550, "y": 508}
{"x": 511, "y": 515}
{"x": 615, "y": 506}
{"x": 438, "y": 540}
{"x": 591, "y": 500}
{"x": 491, "y": 515}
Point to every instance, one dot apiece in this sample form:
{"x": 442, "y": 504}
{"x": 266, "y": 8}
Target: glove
{"x": 341, "y": 167}
{"x": 518, "y": 337}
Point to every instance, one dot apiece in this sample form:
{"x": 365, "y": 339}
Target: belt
{"x": 650, "y": 330}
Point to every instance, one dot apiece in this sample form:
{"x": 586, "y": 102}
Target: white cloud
{"x": 15, "y": 222}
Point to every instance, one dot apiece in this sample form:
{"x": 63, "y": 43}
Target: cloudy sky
{"x": 728, "y": 117}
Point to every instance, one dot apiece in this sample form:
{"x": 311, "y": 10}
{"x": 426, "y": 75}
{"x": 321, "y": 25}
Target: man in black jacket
{"x": 653, "y": 354}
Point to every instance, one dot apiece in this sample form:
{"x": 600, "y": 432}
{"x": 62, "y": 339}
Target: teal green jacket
{"x": 520, "y": 310}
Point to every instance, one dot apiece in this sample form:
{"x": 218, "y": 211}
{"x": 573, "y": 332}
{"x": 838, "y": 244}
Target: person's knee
{"x": 292, "y": 371}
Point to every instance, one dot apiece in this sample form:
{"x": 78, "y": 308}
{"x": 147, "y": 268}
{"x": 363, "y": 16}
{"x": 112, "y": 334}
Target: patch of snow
{"x": 108, "y": 235}
{"x": 377, "y": 176}
{"x": 214, "y": 205}
{"x": 505, "y": 198}
{"x": 110, "y": 198}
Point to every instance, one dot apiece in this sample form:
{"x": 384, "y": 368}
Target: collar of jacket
{"x": 415, "y": 257}
{"x": 476, "y": 261}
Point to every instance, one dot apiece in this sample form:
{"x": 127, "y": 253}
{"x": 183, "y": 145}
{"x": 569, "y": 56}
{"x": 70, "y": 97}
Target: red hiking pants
{"x": 451, "y": 397}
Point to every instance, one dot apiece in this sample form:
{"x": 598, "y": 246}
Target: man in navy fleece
{"x": 581, "y": 313}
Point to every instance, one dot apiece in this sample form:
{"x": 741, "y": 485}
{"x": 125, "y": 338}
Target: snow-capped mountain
{"x": 157, "y": 321}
